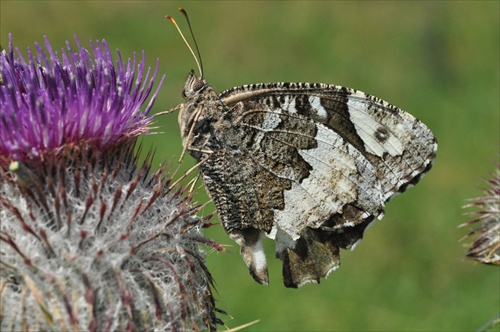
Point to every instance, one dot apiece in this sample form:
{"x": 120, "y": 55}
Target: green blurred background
{"x": 437, "y": 60}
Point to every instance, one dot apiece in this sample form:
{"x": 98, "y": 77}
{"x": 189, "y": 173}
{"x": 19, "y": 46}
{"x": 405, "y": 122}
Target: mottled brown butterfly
{"x": 310, "y": 165}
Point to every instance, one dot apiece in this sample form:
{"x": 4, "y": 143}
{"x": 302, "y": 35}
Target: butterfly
{"x": 309, "y": 165}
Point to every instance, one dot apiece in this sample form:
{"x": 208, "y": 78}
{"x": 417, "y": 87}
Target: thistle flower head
{"x": 91, "y": 240}
{"x": 486, "y": 246}
{"x": 55, "y": 99}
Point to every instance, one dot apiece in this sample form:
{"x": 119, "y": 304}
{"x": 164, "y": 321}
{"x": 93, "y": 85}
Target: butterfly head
{"x": 194, "y": 86}
{"x": 191, "y": 109}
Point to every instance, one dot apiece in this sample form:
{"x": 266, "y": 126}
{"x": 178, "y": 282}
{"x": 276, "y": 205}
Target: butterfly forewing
{"x": 400, "y": 146}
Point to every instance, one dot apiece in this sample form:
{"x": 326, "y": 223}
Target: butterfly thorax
{"x": 198, "y": 112}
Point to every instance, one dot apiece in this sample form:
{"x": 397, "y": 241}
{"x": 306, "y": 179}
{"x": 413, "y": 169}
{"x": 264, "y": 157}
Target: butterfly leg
{"x": 187, "y": 139}
{"x": 171, "y": 110}
{"x": 209, "y": 154}
{"x": 193, "y": 184}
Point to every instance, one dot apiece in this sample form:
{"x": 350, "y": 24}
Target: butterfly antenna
{"x": 200, "y": 65}
{"x": 198, "y": 62}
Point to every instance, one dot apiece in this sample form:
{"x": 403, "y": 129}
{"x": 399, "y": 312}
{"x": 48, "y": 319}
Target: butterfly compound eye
{"x": 198, "y": 85}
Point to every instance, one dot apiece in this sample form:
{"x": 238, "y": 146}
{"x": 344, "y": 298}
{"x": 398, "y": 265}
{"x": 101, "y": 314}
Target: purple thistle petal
{"x": 55, "y": 99}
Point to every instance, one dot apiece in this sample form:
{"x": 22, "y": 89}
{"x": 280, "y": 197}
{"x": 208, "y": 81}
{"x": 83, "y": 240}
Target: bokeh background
{"x": 437, "y": 60}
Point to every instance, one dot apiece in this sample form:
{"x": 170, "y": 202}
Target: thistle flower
{"x": 486, "y": 246}
{"x": 90, "y": 240}
{"x": 54, "y": 100}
